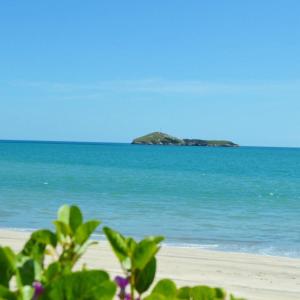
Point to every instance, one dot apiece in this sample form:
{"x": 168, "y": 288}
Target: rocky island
{"x": 160, "y": 138}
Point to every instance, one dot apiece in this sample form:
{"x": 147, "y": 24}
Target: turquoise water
{"x": 232, "y": 199}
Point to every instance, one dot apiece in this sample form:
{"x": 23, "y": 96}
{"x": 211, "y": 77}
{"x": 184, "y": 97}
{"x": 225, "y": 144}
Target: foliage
{"x": 44, "y": 268}
{"x": 166, "y": 289}
{"x": 137, "y": 259}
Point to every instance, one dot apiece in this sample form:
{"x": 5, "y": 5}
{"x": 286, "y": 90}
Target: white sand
{"x": 254, "y": 277}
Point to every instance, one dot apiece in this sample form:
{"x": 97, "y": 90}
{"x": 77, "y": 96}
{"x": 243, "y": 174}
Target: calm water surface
{"x": 233, "y": 199}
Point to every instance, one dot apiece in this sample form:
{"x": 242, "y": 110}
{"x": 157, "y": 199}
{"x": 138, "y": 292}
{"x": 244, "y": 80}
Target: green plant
{"x": 166, "y": 289}
{"x": 33, "y": 279}
{"x": 44, "y": 268}
{"x": 137, "y": 260}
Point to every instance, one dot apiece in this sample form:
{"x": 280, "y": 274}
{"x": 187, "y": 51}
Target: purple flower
{"x": 127, "y": 297}
{"x": 121, "y": 282}
{"x": 38, "y": 290}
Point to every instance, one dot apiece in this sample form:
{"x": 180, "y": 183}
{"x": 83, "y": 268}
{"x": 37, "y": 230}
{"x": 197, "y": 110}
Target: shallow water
{"x": 234, "y": 199}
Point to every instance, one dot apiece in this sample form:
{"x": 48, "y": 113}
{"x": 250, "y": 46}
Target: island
{"x": 160, "y": 138}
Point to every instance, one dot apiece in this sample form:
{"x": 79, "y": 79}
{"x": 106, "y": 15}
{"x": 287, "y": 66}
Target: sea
{"x": 244, "y": 199}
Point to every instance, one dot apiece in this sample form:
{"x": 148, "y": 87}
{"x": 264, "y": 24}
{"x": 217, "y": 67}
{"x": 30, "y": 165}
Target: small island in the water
{"x": 160, "y": 138}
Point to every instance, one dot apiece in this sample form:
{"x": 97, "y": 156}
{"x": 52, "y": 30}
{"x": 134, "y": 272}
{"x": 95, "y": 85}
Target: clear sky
{"x": 114, "y": 70}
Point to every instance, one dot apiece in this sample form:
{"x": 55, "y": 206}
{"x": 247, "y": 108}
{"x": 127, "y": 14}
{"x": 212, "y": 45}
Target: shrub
{"x": 44, "y": 268}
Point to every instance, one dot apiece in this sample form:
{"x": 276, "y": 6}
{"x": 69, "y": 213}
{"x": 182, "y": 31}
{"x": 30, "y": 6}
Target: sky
{"x": 113, "y": 70}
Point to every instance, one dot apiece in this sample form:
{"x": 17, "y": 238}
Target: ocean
{"x": 243, "y": 199}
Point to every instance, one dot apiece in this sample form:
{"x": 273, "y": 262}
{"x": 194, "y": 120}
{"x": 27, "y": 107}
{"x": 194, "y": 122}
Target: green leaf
{"x": 165, "y": 287}
{"x": 27, "y": 293}
{"x": 70, "y": 215}
{"x": 155, "y": 239}
{"x": 52, "y": 271}
{"x": 145, "y": 277}
{"x": 63, "y": 230}
{"x": 36, "y": 245}
{"x": 207, "y": 293}
{"x": 166, "y": 290}
{"x": 131, "y": 244}
{"x": 184, "y": 293}
{"x": 8, "y": 265}
{"x": 45, "y": 237}
{"x": 126, "y": 264}
{"x": 6, "y": 294}
{"x": 84, "y": 285}
{"x": 80, "y": 250}
{"x": 118, "y": 243}
{"x": 143, "y": 253}
{"x": 220, "y": 293}
{"x": 34, "y": 249}
{"x": 85, "y": 230}
{"x": 26, "y": 273}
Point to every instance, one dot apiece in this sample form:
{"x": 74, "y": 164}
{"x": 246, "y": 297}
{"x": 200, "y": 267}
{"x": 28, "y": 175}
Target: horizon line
{"x": 107, "y": 142}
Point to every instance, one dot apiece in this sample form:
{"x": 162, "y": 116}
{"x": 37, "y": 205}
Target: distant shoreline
{"x": 165, "y": 139}
{"x": 123, "y": 143}
{"x": 168, "y": 244}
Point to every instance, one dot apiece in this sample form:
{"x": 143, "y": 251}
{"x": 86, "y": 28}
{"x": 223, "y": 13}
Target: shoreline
{"x": 252, "y": 276}
{"x": 205, "y": 247}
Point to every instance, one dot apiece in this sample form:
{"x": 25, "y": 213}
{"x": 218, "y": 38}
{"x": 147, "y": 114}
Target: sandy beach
{"x": 254, "y": 277}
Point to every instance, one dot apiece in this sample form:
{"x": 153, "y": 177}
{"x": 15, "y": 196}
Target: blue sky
{"x": 114, "y": 70}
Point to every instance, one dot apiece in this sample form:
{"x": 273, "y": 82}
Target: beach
{"x": 254, "y": 277}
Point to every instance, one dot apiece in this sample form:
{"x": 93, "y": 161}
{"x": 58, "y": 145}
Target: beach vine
{"x": 45, "y": 268}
